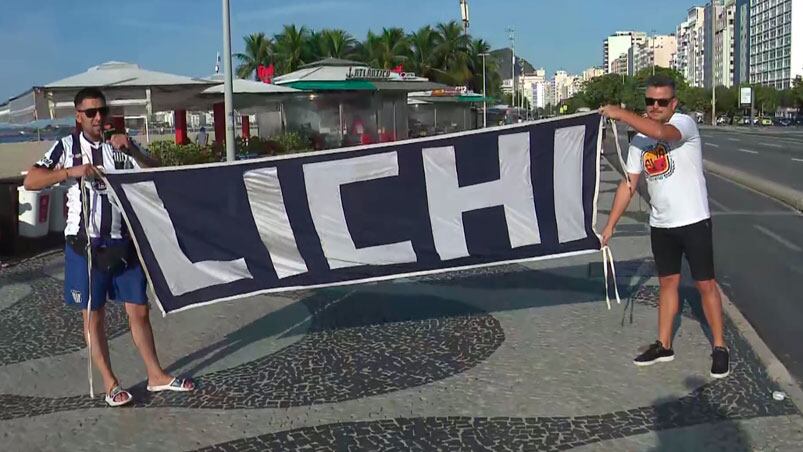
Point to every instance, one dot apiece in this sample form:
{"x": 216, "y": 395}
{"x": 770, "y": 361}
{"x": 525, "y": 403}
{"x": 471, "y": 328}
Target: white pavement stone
{"x": 782, "y": 433}
{"x": 12, "y": 293}
{"x": 188, "y": 339}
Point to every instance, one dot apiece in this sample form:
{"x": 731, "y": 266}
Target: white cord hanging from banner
{"x": 619, "y": 154}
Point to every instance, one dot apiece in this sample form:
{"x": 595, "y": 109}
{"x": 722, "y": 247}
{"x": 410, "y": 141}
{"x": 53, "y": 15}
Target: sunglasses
{"x": 92, "y": 112}
{"x": 661, "y": 102}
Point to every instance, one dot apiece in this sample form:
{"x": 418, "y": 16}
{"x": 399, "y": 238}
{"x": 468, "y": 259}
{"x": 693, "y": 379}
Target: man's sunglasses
{"x": 661, "y": 102}
{"x": 92, "y": 112}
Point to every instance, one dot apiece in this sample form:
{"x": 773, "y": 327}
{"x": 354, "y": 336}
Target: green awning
{"x": 473, "y": 99}
{"x": 332, "y": 85}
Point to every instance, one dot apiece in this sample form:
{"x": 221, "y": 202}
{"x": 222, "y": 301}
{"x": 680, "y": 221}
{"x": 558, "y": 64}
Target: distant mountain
{"x": 503, "y": 61}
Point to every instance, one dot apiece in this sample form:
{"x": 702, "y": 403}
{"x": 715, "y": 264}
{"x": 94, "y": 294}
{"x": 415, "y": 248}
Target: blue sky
{"x": 45, "y": 40}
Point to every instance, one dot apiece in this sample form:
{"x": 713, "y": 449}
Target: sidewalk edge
{"x": 786, "y": 195}
{"x": 775, "y": 368}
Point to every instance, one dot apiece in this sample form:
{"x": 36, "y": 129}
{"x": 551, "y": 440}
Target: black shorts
{"x": 694, "y": 240}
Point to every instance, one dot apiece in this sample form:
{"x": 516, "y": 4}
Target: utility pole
{"x": 712, "y": 57}
{"x": 228, "y": 96}
{"x": 464, "y": 14}
{"x": 652, "y": 50}
{"x": 484, "y": 100}
{"x": 512, "y": 36}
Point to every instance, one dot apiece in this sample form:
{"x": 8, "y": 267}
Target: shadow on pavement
{"x": 726, "y": 434}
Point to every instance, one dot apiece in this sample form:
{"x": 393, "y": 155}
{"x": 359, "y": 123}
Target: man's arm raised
{"x": 646, "y": 126}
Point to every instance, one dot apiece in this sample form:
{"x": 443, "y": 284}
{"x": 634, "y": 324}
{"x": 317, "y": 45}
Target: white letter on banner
{"x": 182, "y": 276}
{"x": 568, "y": 177}
{"x": 270, "y": 216}
{"x": 323, "y": 181}
{"x": 513, "y": 190}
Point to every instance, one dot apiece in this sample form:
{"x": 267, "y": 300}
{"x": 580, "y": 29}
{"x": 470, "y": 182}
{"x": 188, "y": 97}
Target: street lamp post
{"x": 228, "y": 95}
{"x": 512, "y": 37}
{"x": 464, "y": 14}
{"x": 652, "y": 51}
{"x": 484, "y": 101}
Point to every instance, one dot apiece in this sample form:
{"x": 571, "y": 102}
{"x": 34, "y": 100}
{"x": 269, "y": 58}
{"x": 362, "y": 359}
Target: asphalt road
{"x": 758, "y": 253}
{"x": 773, "y": 154}
{"x": 758, "y": 242}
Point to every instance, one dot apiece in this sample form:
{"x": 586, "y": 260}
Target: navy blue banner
{"x": 229, "y": 230}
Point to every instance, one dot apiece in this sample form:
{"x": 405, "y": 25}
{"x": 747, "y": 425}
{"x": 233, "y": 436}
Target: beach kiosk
{"x": 350, "y": 103}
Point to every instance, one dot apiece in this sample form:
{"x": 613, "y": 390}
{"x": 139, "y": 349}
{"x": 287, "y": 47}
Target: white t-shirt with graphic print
{"x": 674, "y": 173}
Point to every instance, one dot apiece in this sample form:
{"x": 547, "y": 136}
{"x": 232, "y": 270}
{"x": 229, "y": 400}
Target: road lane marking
{"x": 713, "y": 145}
{"x": 772, "y": 145}
{"x": 754, "y": 191}
{"x": 791, "y": 246}
{"x": 754, "y": 213}
{"x": 748, "y": 151}
{"x": 718, "y": 204}
{"x": 733, "y": 139}
{"x": 797, "y": 160}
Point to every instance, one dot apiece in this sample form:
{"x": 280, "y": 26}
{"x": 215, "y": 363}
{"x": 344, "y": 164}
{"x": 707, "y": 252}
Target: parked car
{"x": 783, "y": 122}
{"x": 723, "y": 120}
{"x": 765, "y": 121}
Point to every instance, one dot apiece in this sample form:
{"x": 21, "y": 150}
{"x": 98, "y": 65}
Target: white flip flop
{"x": 116, "y": 391}
{"x": 176, "y": 384}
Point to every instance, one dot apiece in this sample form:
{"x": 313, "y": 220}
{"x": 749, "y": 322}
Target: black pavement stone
{"x": 741, "y": 396}
{"x": 41, "y": 325}
{"x": 363, "y": 346}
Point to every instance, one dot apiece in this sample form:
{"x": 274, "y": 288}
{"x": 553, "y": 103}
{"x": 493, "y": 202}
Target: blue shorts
{"x": 127, "y": 285}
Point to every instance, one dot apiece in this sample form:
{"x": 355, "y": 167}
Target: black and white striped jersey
{"x": 105, "y": 218}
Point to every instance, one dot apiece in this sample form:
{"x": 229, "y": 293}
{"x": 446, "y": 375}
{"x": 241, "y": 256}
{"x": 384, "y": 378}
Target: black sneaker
{"x": 655, "y": 354}
{"x": 720, "y": 362}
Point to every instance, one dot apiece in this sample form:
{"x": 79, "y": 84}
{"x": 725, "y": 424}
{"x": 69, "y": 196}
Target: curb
{"x": 775, "y": 368}
{"x": 774, "y": 190}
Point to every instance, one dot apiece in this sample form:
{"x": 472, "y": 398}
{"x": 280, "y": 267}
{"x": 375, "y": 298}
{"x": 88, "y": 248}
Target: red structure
{"x": 246, "y": 127}
{"x": 180, "y": 121}
{"x": 117, "y": 122}
{"x": 219, "y": 113}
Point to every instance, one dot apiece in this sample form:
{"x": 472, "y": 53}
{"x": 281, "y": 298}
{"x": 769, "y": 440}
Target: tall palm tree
{"x": 315, "y": 49}
{"x": 422, "y": 50}
{"x": 451, "y": 54}
{"x": 386, "y": 50}
{"x": 476, "y": 47}
{"x": 338, "y": 44}
{"x": 258, "y": 50}
{"x": 292, "y": 48}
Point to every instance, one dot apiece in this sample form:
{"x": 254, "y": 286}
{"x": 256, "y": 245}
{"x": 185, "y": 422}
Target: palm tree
{"x": 476, "y": 48}
{"x": 315, "y": 48}
{"x": 422, "y": 50}
{"x": 451, "y": 54}
{"x": 386, "y": 50}
{"x": 337, "y": 44}
{"x": 258, "y": 51}
{"x": 292, "y": 48}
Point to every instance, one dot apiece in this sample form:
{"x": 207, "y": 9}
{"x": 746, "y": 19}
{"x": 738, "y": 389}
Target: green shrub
{"x": 292, "y": 142}
{"x": 172, "y": 154}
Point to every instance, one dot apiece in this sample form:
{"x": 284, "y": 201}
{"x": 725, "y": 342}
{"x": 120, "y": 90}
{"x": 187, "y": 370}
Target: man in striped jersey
{"x": 116, "y": 271}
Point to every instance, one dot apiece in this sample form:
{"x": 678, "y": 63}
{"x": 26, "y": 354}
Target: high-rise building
{"x": 657, "y": 50}
{"x": 620, "y": 65}
{"x": 722, "y": 54}
{"x": 593, "y": 72}
{"x": 529, "y": 84}
{"x": 776, "y": 42}
{"x": 690, "y": 57}
{"x": 741, "y": 43}
{"x": 617, "y": 44}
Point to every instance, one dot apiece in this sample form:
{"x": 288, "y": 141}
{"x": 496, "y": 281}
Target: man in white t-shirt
{"x": 667, "y": 150}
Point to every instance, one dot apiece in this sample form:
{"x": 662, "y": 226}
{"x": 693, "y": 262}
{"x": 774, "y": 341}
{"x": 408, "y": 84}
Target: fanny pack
{"x": 106, "y": 257}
